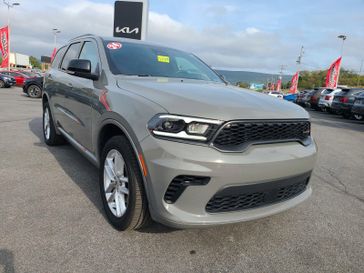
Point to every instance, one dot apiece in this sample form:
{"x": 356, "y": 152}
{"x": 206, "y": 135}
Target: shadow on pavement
{"x": 7, "y": 260}
{"x": 82, "y": 173}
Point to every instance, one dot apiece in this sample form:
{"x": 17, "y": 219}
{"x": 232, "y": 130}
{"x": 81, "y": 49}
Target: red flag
{"x": 53, "y": 54}
{"x": 332, "y": 76}
{"x": 4, "y": 46}
{"x": 279, "y": 85}
{"x": 294, "y": 83}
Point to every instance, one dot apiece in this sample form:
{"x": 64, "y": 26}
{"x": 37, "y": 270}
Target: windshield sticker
{"x": 163, "y": 59}
{"x": 114, "y": 45}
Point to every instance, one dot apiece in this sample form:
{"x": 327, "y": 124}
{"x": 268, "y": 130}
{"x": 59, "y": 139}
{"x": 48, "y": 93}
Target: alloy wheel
{"x": 116, "y": 183}
{"x": 34, "y": 91}
{"x": 46, "y": 123}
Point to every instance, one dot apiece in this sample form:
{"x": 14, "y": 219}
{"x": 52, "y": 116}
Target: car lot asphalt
{"x": 51, "y": 216}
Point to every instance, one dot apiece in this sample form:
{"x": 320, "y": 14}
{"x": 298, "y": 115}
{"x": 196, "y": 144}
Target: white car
{"x": 326, "y": 98}
{"x": 276, "y": 94}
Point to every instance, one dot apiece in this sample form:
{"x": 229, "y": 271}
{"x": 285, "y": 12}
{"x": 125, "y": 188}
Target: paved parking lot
{"x": 51, "y": 217}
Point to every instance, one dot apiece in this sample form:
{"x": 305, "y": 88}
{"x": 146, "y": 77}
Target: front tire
{"x": 34, "y": 91}
{"x": 358, "y": 117}
{"x": 121, "y": 186}
{"x": 2, "y": 84}
{"x": 51, "y": 138}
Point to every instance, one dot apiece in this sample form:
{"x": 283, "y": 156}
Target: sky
{"x": 231, "y": 34}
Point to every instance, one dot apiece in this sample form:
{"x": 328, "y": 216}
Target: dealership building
{"x": 18, "y": 60}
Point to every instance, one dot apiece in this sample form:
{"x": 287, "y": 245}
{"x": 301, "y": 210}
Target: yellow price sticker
{"x": 163, "y": 59}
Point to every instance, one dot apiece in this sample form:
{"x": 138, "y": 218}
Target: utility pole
{"x": 299, "y": 61}
{"x": 343, "y": 37}
{"x": 9, "y": 4}
{"x": 361, "y": 67}
{"x": 55, "y": 32}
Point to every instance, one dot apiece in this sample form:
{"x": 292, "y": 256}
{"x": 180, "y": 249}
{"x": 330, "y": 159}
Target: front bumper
{"x": 259, "y": 164}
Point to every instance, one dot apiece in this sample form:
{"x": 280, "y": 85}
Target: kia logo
{"x": 127, "y": 30}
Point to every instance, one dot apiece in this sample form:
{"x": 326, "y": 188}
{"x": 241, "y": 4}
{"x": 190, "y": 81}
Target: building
{"x": 18, "y": 60}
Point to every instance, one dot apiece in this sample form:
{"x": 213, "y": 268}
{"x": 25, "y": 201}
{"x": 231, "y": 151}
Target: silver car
{"x": 172, "y": 141}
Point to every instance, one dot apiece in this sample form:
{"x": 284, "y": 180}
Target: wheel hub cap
{"x": 116, "y": 183}
{"x": 46, "y": 124}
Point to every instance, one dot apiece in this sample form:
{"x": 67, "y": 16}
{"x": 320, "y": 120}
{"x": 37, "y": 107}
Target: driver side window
{"x": 89, "y": 52}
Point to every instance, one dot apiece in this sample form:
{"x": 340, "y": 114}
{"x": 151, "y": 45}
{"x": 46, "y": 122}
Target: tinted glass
{"x": 148, "y": 60}
{"x": 71, "y": 53}
{"x": 89, "y": 52}
{"x": 57, "y": 59}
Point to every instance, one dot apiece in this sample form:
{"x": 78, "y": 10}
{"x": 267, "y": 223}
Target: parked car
{"x": 344, "y": 100}
{"x": 33, "y": 87}
{"x": 6, "y": 81}
{"x": 276, "y": 94}
{"x": 304, "y": 101}
{"x": 18, "y": 76}
{"x": 290, "y": 97}
{"x": 326, "y": 99}
{"x": 315, "y": 96}
{"x": 171, "y": 139}
{"x": 358, "y": 107}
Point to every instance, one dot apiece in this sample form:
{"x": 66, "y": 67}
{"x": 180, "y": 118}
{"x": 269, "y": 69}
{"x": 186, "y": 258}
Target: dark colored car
{"x": 33, "y": 87}
{"x": 344, "y": 101}
{"x": 6, "y": 81}
{"x": 315, "y": 97}
{"x": 358, "y": 107}
{"x": 19, "y": 77}
{"x": 304, "y": 97}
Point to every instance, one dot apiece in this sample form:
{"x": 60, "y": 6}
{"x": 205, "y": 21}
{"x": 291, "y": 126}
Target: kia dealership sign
{"x": 130, "y": 19}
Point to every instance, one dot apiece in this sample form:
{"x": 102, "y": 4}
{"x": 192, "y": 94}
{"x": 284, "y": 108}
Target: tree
{"x": 34, "y": 62}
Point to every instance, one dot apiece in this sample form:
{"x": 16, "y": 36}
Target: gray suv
{"x": 172, "y": 141}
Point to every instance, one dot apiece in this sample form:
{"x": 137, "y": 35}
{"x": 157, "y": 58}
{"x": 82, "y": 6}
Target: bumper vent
{"x": 257, "y": 195}
{"x": 237, "y": 135}
{"x": 180, "y": 183}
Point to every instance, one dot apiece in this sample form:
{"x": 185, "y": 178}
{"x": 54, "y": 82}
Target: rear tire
{"x": 51, "y": 138}
{"x": 122, "y": 191}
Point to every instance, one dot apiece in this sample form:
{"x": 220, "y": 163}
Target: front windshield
{"x": 154, "y": 61}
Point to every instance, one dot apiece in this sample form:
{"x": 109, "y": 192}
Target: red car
{"x": 19, "y": 77}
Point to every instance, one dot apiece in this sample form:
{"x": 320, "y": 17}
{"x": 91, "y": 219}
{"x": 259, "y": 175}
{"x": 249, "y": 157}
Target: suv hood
{"x": 210, "y": 100}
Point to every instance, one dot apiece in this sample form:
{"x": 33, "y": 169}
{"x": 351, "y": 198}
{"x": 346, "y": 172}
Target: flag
{"x": 4, "y": 46}
{"x": 294, "y": 83}
{"x": 332, "y": 77}
{"x": 53, "y": 54}
{"x": 279, "y": 85}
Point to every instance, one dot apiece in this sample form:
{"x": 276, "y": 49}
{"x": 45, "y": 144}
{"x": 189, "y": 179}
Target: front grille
{"x": 257, "y": 195}
{"x": 180, "y": 183}
{"x": 239, "y": 134}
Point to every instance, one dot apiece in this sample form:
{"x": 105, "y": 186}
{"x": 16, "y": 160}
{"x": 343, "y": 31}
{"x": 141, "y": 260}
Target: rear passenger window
{"x": 89, "y": 52}
{"x": 72, "y": 53}
{"x": 57, "y": 59}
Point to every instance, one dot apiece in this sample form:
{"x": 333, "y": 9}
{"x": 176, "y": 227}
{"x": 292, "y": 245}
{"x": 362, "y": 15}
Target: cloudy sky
{"x": 235, "y": 34}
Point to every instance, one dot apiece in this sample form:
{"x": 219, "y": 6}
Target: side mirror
{"x": 81, "y": 68}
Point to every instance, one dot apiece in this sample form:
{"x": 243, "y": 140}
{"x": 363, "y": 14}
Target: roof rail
{"x": 83, "y": 35}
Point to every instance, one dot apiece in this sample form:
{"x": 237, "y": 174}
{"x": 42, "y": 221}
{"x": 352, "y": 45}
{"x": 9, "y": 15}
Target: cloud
{"x": 248, "y": 42}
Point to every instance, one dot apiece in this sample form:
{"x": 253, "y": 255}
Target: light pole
{"x": 361, "y": 67}
{"x": 9, "y": 5}
{"x": 55, "y": 32}
{"x": 343, "y": 37}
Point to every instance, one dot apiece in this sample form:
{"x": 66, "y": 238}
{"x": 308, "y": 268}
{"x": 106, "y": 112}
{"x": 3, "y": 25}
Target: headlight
{"x": 7, "y": 78}
{"x": 181, "y": 127}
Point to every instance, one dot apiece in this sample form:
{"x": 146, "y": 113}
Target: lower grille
{"x": 180, "y": 183}
{"x": 257, "y": 195}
